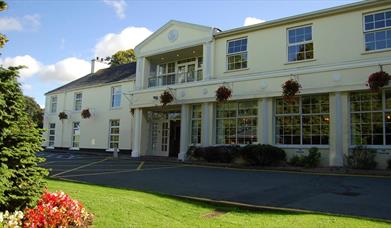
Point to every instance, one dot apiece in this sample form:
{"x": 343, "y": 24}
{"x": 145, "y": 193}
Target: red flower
{"x": 377, "y": 80}
{"x": 290, "y": 89}
{"x": 223, "y": 94}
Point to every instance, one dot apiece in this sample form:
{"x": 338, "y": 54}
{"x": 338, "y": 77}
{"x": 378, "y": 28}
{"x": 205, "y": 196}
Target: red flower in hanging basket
{"x": 290, "y": 89}
{"x": 166, "y": 98}
{"x": 223, "y": 94}
{"x": 86, "y": 113}
{"x": 377, "y": 80}
{"x": 62, "y": 116}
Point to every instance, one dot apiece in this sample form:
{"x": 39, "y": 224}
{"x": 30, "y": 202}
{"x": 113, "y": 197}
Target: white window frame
{"x": 300, "y": 43}
{"x": 73, "y": 136}
{"x": 383, "y": 110}
{"x": 301, "y": 115}
{"x": 236, "y": 118}
{"x": 76, "y": 100}
{"x": 114, "y": 95}
{"x": 114, "y": 134}
{"x": 374, "y": 30}
{"x": 53, "y": 104}
{"x": 51, "y": 133}
{"x": 195, "y": 119}
{"x": 241, "y": 53}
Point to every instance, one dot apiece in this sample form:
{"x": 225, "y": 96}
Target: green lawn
{"x": 125, "y": 208}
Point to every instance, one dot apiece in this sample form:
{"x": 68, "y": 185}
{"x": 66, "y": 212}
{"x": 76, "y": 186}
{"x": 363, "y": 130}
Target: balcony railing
{"x": 175, "y": 78}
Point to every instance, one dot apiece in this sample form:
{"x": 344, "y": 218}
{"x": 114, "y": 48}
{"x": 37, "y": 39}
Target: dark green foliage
{"x": 21, "y": 180}
{"x": 34, "y": 110}
{"x": 263, "y": 155}
{"x": 311, "y": 160}
{"x": 218, "y": 154}
{"x": 122, "y": 57}
{"x": 362, "y": 158}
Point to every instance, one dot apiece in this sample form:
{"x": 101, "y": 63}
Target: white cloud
{"x": 26, "y": 87}
{"x": 10, "y": 24}
{"x": 31, "y": 64}
{"x": 19, "y": 24}
{"x": 119, "y": 7}
{"x": 65, "y": 70}
{"x": 126, "y": 39}
{"x": 252, "y": 21}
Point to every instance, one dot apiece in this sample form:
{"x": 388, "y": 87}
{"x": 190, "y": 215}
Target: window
{"x": 116, "y": 97}
{"x": 114, "y": 134}
{"x": 78, "y": 101}
{"x": 370, "y": 118}
{"x": 377, "y": 31}
{"x": 52, "y": 133}
{"x": 237, "y": 54}
{"x": 236, "y": 123}
{"x": 300, "y": 44}
{"x": 196, "y": 118}
{"x": 304, "y": 121}
{"x": 53, "y": 104}
{"x": 75, "y": 134}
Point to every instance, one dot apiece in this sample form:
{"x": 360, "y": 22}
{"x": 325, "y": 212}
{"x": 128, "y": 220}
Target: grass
{"x": 126, "y": 208}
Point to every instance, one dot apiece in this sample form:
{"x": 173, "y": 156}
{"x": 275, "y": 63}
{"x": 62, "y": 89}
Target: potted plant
{"x": 377, "y": 80}
{"x": 290, "y": 89}
{"x": 166, "y": 98}
{"x": 62, "y": 116}
{"x": 223, "y": 94}
{"x": 85, "y": 114}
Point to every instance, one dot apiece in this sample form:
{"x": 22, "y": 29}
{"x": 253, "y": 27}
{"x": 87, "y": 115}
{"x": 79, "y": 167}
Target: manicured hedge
{"x": 256, "y": 154}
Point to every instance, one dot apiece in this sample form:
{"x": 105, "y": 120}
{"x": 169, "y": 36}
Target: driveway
{"x": 348, "y": 195}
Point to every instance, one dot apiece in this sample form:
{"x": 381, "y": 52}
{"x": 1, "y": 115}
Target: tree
{"x": 122, "y": 57}
{"x": 21, "y": 179}
{"x": 34, "y": 110}
{"x": 3, "y": 38}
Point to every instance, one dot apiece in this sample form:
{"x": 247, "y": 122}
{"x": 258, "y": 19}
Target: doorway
{"x": 186, "y": 72}
{"x": 175, "y": 138}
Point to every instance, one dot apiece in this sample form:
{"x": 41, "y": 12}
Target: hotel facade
{"x": 329, "y": 52}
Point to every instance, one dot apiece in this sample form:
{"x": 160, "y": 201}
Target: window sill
{"x": 298, "y": 146}
{"x": 376, "y": 51}
{"x": 74, "y": 148}
{"x": 301, "y": 61}
{"x": 236, "y": 70}
{"x": 115, "y": 108}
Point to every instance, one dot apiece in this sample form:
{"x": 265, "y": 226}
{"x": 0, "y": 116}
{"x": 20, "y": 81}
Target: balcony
{"x": 175, "y": 78}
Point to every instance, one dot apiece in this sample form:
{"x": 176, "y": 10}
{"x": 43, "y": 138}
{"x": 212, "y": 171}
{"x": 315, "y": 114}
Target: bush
{"x": 11, "y": 219}
{"x": 57, "y": 210}
{"x": 218, "y": 154}
{"x": 262, "y": 154}
{"x": 311, "y": 160}
{"x": 362, "y": 158}
{"x": 389, "y": 163}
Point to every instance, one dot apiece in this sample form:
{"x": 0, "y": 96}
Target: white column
{"x": 205, "y": 125}
{"x": 336, "y": 130}
{"x": 207, "y": 60}
{"x": 138, "y": 116}
{"x": 140, "y": 73}
{"x": 185, "y": 129}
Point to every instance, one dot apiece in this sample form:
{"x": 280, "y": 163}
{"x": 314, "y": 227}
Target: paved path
{"x": 349, "y": 195}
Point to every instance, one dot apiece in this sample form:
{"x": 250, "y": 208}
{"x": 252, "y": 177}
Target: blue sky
{"x": 57, "y": 38}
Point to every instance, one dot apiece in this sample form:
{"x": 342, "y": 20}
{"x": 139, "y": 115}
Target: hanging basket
{"x": 290, "y": 89}
{"x": 223, "y": 94}
{"x": 85, "y": 114}
{"x": 62, "y": 116}
{"x": 166, "y": 98}
{"x": 378, "y": 80}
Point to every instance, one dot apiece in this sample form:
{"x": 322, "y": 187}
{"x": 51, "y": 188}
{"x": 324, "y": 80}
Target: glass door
{"x": 186, "y": 72}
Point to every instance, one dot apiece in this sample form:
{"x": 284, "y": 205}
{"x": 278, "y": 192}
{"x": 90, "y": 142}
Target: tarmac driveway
{"x": 348, "y": 195}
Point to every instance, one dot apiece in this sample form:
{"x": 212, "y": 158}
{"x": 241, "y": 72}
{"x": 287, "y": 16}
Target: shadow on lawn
{"x": 219, "y": 208}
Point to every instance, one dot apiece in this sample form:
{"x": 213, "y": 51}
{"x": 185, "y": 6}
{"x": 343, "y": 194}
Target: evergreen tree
{"x": 21, "y": 179}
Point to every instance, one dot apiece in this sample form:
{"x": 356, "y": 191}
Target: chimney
{"x": 97, "y": 64}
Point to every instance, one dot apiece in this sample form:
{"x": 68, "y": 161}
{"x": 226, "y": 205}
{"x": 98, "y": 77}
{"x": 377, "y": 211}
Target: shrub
{"x": 218, "y": 154}
{"x": 389, "y": 164}
{"x": 57, "y": 210}
{"x": 362, "y": 158}
{"x": 11, "y": 219}
{"x": 311, "y": 160}
{"x": 21, "y": 178}
{"x": 262, "y": 154}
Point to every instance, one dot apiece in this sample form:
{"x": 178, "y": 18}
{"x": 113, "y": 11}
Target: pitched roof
{"x": 109, "y": 75}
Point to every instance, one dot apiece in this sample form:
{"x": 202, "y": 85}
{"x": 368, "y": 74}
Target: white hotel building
{"x": 330, "y": 52}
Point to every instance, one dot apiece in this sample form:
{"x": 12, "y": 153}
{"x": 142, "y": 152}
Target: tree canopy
{"x": 122, "y": 57}
{"x": 34, "y": 110}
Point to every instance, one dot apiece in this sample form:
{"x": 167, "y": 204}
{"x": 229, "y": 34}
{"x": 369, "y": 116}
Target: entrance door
{"x": 175, "y": 137}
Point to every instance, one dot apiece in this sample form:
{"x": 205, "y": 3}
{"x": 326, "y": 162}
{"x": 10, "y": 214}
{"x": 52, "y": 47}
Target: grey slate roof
{"x": 109, "y": 75}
